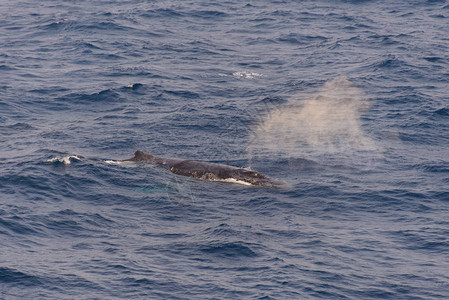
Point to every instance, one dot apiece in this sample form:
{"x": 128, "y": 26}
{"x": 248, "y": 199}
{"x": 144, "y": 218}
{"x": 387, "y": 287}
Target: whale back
{"x": 205, "y": 170}
{"x": 213, "y": 171}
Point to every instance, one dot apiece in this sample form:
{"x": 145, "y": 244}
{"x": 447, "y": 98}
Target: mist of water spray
{"x": 327, "y": 124}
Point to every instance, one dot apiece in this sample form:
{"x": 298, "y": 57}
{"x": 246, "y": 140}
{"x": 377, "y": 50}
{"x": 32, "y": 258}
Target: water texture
{"x": 345, "y": 101}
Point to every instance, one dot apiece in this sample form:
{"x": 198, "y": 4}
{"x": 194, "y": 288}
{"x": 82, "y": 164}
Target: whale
{"x": 206, "y": 170}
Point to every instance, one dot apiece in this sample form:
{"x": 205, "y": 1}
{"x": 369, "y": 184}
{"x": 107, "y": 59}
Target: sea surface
{"x": 345, "y": 101}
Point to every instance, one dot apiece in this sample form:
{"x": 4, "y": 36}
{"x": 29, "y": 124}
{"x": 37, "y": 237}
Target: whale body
{"x": 206, "y": 170}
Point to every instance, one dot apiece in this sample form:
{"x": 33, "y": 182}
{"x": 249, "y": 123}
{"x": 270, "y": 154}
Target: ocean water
{"x": 345, "y": 101}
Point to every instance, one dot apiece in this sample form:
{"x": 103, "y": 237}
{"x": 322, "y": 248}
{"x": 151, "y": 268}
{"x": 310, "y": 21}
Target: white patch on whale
{"x": 233, "y": 180}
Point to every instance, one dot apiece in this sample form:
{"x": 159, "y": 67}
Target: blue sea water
{"x": 345, "y": 101}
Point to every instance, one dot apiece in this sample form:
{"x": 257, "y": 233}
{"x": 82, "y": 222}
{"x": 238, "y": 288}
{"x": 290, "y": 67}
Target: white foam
{"x": 66, "y": 160}
{"x": 246, "y": 74}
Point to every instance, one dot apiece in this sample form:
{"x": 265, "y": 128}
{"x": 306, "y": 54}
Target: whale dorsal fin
{"x": 142, "y": 156}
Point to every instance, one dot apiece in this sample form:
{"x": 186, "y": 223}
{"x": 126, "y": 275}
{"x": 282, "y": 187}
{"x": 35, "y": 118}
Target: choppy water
{"x": 346, "y": 101}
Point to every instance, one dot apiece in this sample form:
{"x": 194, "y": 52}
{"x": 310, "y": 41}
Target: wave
{"x": 16, "y": 128}
{"x": 229, "y": 250}
{"x": 13, "y": 276}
